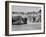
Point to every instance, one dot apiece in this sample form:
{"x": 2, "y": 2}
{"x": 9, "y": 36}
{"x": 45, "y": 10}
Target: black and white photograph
{"x": 26, "y": 18}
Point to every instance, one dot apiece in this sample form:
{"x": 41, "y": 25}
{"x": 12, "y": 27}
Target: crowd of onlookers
{"x": 34, "y": 18}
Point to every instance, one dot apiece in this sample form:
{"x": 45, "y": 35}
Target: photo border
{"x": 7, "y": 17}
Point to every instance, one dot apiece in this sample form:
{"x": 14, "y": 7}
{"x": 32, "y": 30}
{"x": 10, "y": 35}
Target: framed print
{"x": 24, "y": 18}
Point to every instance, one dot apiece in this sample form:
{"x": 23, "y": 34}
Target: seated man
{"x": 24, "y": 20}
